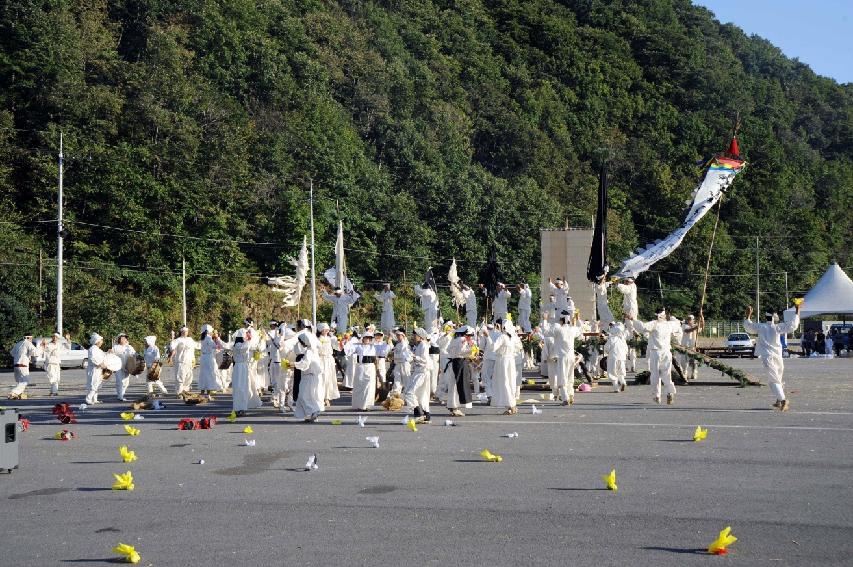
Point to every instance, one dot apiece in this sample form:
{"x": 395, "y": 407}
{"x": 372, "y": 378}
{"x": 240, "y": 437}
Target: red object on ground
{"x": 188, "y": 423}
{"x": 207, "y": 422}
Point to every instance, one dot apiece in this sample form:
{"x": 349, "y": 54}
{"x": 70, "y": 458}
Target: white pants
{"x": 122, "y": 379}
{"x": 551, "y": 369}
{"x": 401, "y": 376}
{"x": 775, "y": 368}
{"x": 524, "y": 320}
{"x": 433, "y": 373}
{"x": 93, "y": 384}
{"x": 631, "y": 364}
{"x": 283, "y": 393}
{"x": 417, "y": 389}
{"x": 660, "y": 368}
{"x": 159, "y": 384}
{"x": 22, "y": 378}
{"x": 53, "y": 377}
{"x": 616, "y": 371}
{"x": 183, "y": 377}
{"x": 565, "y": 376}
{"x": 487, "y": 372}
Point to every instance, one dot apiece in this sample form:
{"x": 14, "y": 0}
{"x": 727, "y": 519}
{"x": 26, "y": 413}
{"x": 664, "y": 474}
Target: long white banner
{"x": 719, "y": 176}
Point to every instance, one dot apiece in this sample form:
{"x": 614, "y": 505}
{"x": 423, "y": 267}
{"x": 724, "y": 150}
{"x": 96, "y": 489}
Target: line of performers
{"x": 299, "y": 366}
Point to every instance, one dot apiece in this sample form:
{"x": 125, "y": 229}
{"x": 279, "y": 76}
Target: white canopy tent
{"x": 832, "y": 294}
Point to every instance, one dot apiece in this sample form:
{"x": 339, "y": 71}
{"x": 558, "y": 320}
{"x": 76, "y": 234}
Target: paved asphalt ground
{"x": 782, "y": 481}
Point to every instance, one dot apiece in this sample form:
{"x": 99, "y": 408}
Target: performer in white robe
{"x": 605, "y": 315}
{"x": 273, "y": 356}
{"x": 504, "y": 378}
{"x": 283, "y": 392}
{"x": 123, "y": 349}
{"x": 309, "y": 404}
{"x": 349, "y": 360}
{"x": 341, "y": 304}
{"x": 660, "y": 333}
{"x": 208, "y": 373}
{"x": 364, "y": 388}
{"x": 53, "y": 351}
{"x": 382, "y": 350}
{"x": 439, "y": 372}
{"x": 327, "y": 359}
{"x": 458, "y": 353}
{"x": 485, "y": 343}
{"x": 470, "y": 305}
{"x": 500, "y": 305}
{"x": 22, "y": 352}
{"x": 386, "y": 322}
{"x": 258, "y": 362}
{"x": 152, "y": 362}
{"x": 183, "y": 357}
{"x": 525, "y": 299}
{"x": 244, "y": 395}
{"x": 616, "y": 349}
{"x": 549, "y": 354}
{"x": 417, "y": 389}
{"x": 769, "y": 349}
{"x": 94, "y": 369}
{"x": 690, "y": 329}
{"x": 560, "y": 291}
{"x": 402, "y": 361}
{"x": 429, "y": 304}
{"x": 565, "y": 333}
{"x": 630, "y": 307}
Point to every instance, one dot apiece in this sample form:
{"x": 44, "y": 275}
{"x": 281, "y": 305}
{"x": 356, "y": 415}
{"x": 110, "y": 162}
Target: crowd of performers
{"x": 301, "y": 369}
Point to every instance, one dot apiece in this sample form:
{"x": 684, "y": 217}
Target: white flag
{"x": 291, "y": 286}
{"x": 455, "y": 288}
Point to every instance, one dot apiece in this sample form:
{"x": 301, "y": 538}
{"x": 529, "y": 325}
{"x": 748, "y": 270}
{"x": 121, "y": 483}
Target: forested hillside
{"x": 434, "y": 129}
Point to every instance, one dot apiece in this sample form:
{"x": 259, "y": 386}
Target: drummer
{"x": 123, "y": 350}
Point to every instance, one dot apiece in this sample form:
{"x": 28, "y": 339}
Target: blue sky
{"x": 817, "y": 32}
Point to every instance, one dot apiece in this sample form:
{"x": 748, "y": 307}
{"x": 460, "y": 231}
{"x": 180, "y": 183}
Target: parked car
{"x": 739, "y": 341}
{"x": 74, "y": 357}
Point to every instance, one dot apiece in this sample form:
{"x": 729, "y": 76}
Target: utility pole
{"x": 183, "y": 290}
{"x": 787, "y": 301}
{"x": 313, "y": 274}
{"x": 757, "y": 283}
{"x": 41, "y": 292}
{"x": 59, "y": 261}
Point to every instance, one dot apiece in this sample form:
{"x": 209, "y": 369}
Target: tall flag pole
{"x": 313, "y": 274}
{"x": 59, "y": 246}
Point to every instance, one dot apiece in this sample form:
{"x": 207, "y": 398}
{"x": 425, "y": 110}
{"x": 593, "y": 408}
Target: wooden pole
{"x": 707, "y": 269}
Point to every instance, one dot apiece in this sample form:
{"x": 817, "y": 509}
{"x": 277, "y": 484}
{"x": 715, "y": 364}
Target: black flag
{"x": 597, "y": 265}
{"x": 429, "y": 281}
{"x": 492, "y": 274}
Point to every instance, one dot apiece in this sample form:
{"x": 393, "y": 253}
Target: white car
{"x": 74, "y": 357}
{"x": 739, "y": 341}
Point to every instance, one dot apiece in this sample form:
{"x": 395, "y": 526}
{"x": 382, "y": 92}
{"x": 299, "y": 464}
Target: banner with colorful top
{"x": 719, "y": 175}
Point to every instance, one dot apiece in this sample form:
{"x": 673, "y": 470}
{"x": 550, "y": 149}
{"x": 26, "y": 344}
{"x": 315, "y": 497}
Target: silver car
{"x": 74, "y": 357}
{"x": 739, "y": 341}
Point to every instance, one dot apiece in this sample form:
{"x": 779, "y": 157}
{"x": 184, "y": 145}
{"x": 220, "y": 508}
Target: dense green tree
{"x": 434, "y": 129}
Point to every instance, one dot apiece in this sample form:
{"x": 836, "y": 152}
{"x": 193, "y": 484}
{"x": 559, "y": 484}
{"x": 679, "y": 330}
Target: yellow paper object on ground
{"x": 128, "y": 552}
{"x": 725, "y": 539}
{"x": 127, "y": 415}
{"x": 127, "y": 455}
{"x": 610, "y": 480}
{"x": 486, "y": 454}
{"x": 700, "y": 433}
{"x": 131, "y": 430}
{"x": 123, "y": 481}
